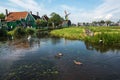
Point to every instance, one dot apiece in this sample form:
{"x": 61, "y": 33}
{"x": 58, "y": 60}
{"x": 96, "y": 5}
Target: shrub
{"x": 3, "y": 34}
{"x": 30, "y": 31}
{"x": 19, "y": 32}
{"x": 10, "y": 33}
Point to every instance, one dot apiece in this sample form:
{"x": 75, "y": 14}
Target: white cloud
{"x": 30, "y": 5}
{"x": 24, "y": 5}
{"x": 109, "y": 9}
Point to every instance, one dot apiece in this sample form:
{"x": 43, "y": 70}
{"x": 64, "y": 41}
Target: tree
{"x": 55, "y": 18}
{"x": 41, "y": 23}
{"x": 102, "y": 22}
{"x": 37, "y": 22}
{"x": 108, "y": 22}
{"x": 2, "y": 16}
{"x": 94, "y": 23}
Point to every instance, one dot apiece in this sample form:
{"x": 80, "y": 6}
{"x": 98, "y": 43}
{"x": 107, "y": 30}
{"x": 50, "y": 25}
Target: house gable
{"x": 13, "y": 16}
{"x": 20, "y": 19}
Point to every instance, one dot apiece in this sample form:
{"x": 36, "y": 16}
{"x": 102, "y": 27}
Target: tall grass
{"x": 69, "y": 33}
{"x": 108, "y": 35}
{"x": 107, "y": 39}
{"x": 105, "y": 29}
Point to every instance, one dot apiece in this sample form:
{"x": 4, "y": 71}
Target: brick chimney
{"x": 6, "y": 11}
{"x": 37, "y": 13}
{"x": 30, "y": 12}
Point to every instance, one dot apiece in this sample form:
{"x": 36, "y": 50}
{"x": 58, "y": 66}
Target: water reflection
{"x": 35, "y": 60}
{"x": 101, "y": 48}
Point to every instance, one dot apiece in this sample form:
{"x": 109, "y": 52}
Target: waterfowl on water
{"x": 77, "y": 62}
{"x": 29, "y": 38}
{"x": 59, "y": 55}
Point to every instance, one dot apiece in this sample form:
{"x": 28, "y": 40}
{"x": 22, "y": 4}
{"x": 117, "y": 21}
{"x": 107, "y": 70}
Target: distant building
{"x": 66, "y": 23}
{"x": 36, "y": 17}
{"x": 45, "y": 18}
{"x": 118, "y": 23}
{"x": 24, "y": 19}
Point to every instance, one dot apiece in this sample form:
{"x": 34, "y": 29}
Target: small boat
{"x": 77, "y": 62}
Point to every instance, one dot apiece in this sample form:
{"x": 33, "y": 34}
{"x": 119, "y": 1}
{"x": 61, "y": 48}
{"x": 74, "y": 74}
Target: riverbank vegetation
{"x": 94, "y": 35}
{"x": 69, "y": 33}
{"x": 3, "y": 34}
{"x": 100, "y": 35}
{"x": 20, "y": 32}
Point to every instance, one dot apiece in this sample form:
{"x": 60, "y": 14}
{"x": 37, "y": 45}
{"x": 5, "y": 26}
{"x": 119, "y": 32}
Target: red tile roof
{"x": 13, "y": 16}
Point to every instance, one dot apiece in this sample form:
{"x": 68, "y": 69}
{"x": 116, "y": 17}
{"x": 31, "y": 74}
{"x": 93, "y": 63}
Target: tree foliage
{"x": 55, "y": 18}
{"x": 41, "y": 23}
{"x": 2, "y": 16}
{"x": 3, "y": 33}
{"x": 108, "y": 22}
{"x": 19, "y": 32}
{"x": 30, "y": 31}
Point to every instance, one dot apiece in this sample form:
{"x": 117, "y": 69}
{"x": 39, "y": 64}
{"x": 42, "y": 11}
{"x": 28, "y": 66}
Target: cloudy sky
{"x": 81, "y": 10}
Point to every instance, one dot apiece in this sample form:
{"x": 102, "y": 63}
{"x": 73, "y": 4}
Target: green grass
{"x": 105, "y": 29}
{"x": 109, "y": 35}
{"x": 107, "y": 38}
{"x": 69, "y": 33}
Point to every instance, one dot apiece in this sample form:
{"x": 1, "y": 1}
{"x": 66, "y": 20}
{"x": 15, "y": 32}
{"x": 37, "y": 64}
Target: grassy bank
{"x": 102, "y": 35}
{"x": 69, "y": 33}
{"x": 20, "y": 32}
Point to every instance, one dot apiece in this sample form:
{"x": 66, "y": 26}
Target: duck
{"x": 29, "y": 38}
{"x": 77, "y": 62}
{"x": 59, "y": 55}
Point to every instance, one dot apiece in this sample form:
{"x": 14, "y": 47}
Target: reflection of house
{"x": 24, "y": 19}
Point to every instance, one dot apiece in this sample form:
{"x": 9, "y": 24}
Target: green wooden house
{"x": 25, "y": 19}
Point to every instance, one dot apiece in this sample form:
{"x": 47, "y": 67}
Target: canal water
{"x": 39, "y": 59}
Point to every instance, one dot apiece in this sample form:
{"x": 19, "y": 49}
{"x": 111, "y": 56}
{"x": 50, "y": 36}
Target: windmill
{"x": 66, "y": 15}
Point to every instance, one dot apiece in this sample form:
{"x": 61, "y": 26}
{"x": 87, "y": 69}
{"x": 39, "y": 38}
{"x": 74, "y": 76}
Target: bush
{"x": 19, "y": 32}
{"x": 30, "y": 31}
{"x": 3, "y": 34}
{"x": 10, "y": 33}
